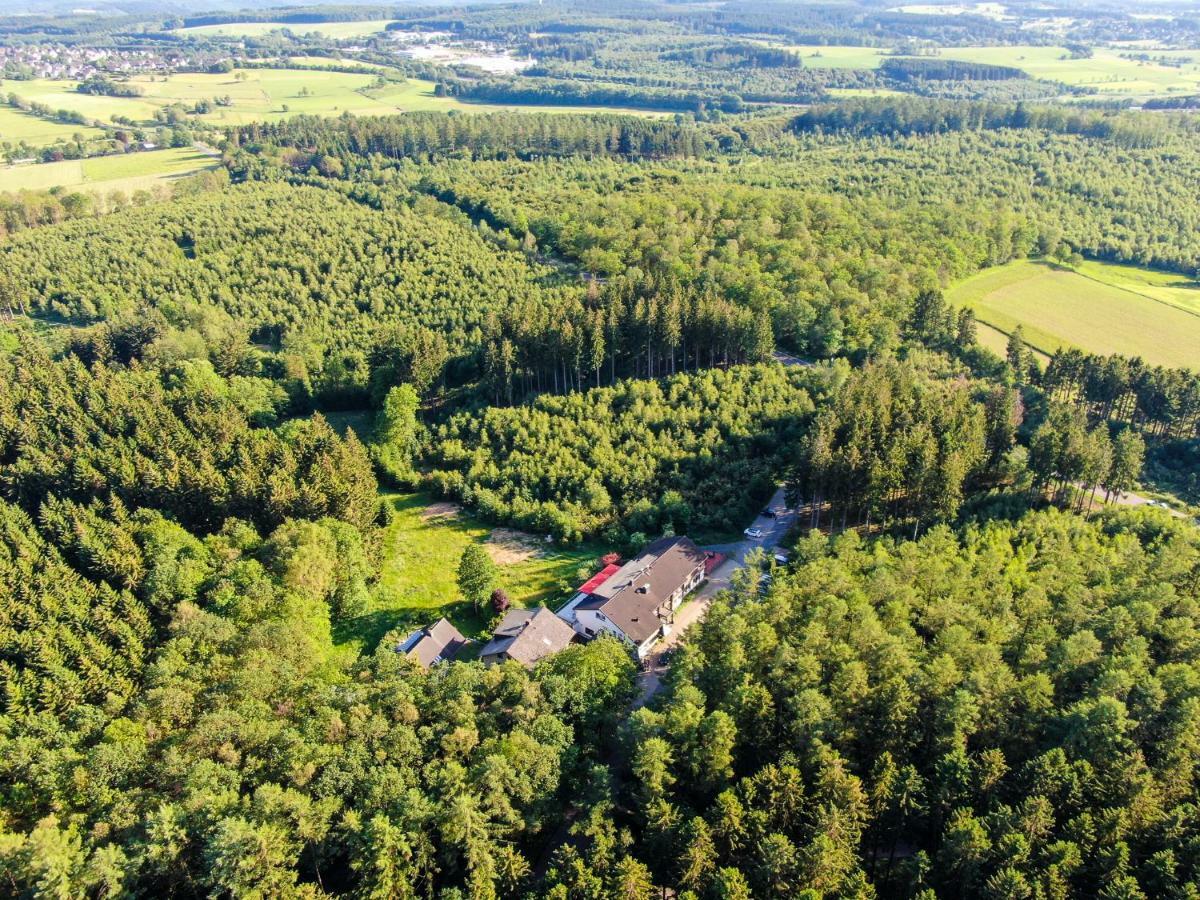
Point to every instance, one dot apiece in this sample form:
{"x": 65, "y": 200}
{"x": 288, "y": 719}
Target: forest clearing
{"x": 421, "y": 549}
{"x": 1096, "y": 309}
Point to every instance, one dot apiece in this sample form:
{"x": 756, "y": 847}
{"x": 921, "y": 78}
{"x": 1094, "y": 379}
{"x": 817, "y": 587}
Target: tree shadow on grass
{"x": 369, "y": 629}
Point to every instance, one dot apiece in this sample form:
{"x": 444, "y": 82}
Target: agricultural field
{"x": 105, "y": 174}
{"x": 1166, "y": 287}
{"x": 266, "y": 95}
{"x": 63, "y": 95}
{"x": 333, "y": 30}
{"x": 991, "y": 10}
{"x": 17, "y": 126}
{"x": 1101, "y": 309}
{"x": 1106, "y": 71}
{"x": 817, "y": 56}
{"x": 421, "y": 550}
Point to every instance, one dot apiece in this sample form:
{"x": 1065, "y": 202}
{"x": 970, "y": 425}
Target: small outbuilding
{"x": 433, "y": 644}
{"x": 528, "y": 636}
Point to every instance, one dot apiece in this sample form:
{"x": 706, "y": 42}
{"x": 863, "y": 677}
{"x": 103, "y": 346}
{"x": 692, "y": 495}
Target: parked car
{"x": 753, "y": 533}
{"x": 781, "y": 558}
{"x": 768, "y": 513}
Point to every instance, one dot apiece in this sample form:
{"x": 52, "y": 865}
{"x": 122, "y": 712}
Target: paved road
{"x": 650, "y": 679}
{"x": 787, "y": 359}
{"x": 1129, "y": 498}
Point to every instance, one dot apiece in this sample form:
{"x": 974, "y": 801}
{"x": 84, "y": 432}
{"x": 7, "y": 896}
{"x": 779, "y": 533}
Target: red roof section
{"x": 598, "y": 579}
{"x": 712, "y": 560}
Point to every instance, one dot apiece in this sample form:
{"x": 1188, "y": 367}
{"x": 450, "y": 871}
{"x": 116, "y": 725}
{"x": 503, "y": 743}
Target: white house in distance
{"x": 637, "y": 602}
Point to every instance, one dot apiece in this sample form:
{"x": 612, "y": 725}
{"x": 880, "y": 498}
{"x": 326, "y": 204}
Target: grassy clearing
{"x": 421, "y": 550}
{"x": 991, "y": 10}
{"x": 1058, "y": 307}
{"x": 816, "y": 56}
{"x": 17, "y": 126}
{"x": 863, "y": 92}
{"x": 127, "y": 173}
{"x": 256, "y": 95}
{"x": 333, "y": 30}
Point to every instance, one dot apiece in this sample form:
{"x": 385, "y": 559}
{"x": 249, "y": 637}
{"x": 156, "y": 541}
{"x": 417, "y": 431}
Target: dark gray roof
{"x": 528, "y": 635}
{"x": 441, "y": 640}
{"x": 633, "y": 595}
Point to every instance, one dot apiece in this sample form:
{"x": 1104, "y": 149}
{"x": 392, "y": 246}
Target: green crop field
{"x": 266, "y": 95}
{"x": 1100, "y": 309}
{"x": 1166, "y": 287}
{"x": 863, "y": 92}
{"x": 817, "y": 56}
{"x": 17, "y": 126}
{"x": 332, "y": 30}
{"x": 1106, "y": 71}
{"x": 422, "y": 546}
{"x": 105, "y": 174}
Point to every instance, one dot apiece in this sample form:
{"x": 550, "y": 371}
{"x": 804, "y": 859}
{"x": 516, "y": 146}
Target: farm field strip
{"x": 268, "y": 95}
{"x": 1106, "y": 70}
{"x": 1058, "y": 307}
{"x": 128, "y": 173}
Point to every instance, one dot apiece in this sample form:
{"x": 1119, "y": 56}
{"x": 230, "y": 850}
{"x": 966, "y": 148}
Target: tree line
{"x": 501, "y": 134}
{"x": 909, "y": 116}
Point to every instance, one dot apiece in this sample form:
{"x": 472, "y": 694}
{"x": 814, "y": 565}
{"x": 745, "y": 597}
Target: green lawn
{"x": 1095, "y": 310}
{"x": 418, "y": 577}
{"x": 863, "y": 92}
{"x": 127, "y": 173}
{"x": 17, "y": 126}
{"x": 333, "y": 30}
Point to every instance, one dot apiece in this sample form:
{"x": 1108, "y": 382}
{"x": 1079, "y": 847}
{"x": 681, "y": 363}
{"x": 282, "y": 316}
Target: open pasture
{"x": 105, "y": 174}
{"x": 17, "y": 126}
{"x": 1106, "y": 70}
{"x": 818, "y": 56}
{"x": 267, "y": 95}
{"x": 1095, "y": 310}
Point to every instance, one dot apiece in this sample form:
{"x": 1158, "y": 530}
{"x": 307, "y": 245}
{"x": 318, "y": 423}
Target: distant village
{"x": 61, "y": 62}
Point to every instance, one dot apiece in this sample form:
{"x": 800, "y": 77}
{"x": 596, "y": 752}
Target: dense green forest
{"x": 692, "y": 453}
{"x": 973, "y": 676}
{"x": 1006, "y": 711}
